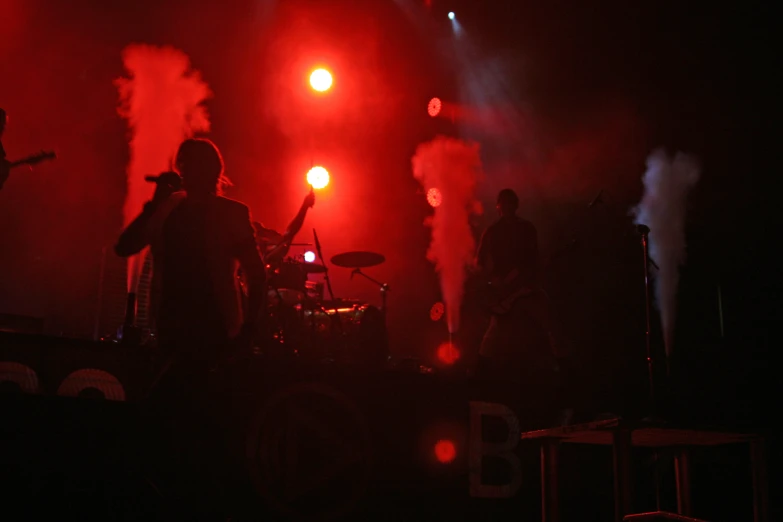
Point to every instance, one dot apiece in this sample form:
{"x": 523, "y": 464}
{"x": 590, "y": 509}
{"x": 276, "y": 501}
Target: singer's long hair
{"x": 201, "y": 165}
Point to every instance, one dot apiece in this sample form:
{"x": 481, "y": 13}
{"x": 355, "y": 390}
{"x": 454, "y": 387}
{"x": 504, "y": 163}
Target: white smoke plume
{"x": 667, "y": 182}
{"x": 452, "y": 167}
{"x": 162, "y": 100}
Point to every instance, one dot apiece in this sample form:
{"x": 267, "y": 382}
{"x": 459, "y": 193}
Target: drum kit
{"x": 313, "y": 327}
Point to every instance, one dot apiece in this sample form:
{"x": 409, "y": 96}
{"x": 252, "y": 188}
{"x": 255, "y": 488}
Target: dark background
{"x": 581, "y": 94}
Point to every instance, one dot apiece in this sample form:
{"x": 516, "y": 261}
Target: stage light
{"x": 434, "y": 107}
{"x": 434, "y": 197}
{"x": 321, "y": 80}
{"x": 445, "y": 451}
{"x": 437, "y": 311}
{"x": 309, "y": 257}
{"x": 447, "y": 353}
{"x": 451, "y": 16}
{"x": 318, "y": 177}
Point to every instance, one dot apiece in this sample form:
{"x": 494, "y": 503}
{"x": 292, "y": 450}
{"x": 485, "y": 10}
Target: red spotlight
{"x": 445, "y": 451}
{"x": 434, "y": 197}
{"x": 434, "y": 106}
{"x": 321, "y": 80}
{"x": 447, "y": 353}
{"x": 437, "y": 311}
{"x": 318, "y": 177}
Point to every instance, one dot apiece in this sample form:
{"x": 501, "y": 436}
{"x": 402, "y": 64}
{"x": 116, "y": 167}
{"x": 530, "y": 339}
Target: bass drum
{"x": 348, "y": 332}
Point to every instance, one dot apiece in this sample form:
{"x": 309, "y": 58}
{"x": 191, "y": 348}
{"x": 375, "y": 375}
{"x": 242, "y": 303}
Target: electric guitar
{"x": 507, "y": 291}
{"x": 34, "y": 159}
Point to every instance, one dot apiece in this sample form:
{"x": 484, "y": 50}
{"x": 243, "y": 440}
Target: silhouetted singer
{"x": 198, "y": 240}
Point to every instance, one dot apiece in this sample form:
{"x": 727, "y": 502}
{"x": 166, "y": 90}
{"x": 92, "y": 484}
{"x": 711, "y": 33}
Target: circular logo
{"x": 309, "y": 453}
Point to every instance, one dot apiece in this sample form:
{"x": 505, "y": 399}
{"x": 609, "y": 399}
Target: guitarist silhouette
{"x": 6, "y": 166}
{"x": 518, "y": 342}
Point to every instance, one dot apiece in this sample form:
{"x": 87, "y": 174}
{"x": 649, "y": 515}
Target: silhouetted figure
{"x": 274, "y": 246}
{"x": 5, "y": 165}
{"x": 199, "y": 239}
{"x": 518, "y": 343}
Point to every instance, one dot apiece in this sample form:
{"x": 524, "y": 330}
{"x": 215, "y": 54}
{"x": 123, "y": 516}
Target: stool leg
{"x": 682, "y": 470}
{"x": 623, "y": 489}
{"x": 758, "y": 459}
{"x": 550, "y": 511}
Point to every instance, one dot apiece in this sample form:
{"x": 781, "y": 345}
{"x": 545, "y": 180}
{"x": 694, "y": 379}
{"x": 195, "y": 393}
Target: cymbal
{"x": 358, "y": 259}
{"x": 311, "y": 268}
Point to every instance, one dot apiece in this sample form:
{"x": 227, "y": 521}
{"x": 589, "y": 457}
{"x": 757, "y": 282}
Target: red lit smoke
{"x": 162, "y": 102}
{"x": 453, "y": 167}
{"x": 666, "y": 186}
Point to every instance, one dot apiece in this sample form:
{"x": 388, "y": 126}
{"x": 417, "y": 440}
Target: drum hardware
{"x": 326, "y": 270}
{"x": 383, "y": 286}
{"x": 305, "y": 325}
{"x": 357, "y": 261}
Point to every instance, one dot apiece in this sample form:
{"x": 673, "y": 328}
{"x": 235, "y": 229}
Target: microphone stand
{"x": 384, "y": 287}
{"x": 644, "y": 231}
{"x": 323, "y": 262}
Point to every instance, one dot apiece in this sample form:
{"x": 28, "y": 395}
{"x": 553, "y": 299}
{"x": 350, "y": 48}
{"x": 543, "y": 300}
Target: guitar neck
{"x": 32, "y": 160}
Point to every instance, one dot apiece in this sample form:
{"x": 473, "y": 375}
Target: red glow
{"x": 318, "y": 177}
{"x": 321, "y": 80}
{"x": 437, "y": 311}
{"x": 434, "y": 106}
{"x": 448, "y": 353}
{"x": 445, "y": 451}
{"x": 434, "y": 197}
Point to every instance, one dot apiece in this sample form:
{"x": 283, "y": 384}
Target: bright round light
{"x": 309, "y": 257}
{"x": 447, "y": 353}
{"x": 434, "y": 197}
{"x": 318, "y": 177}
{"x": 445, "y": 451}
{"x": 434, "y": 106}
{"x": 320, "y": 80}
{"x": 451, "y": 16}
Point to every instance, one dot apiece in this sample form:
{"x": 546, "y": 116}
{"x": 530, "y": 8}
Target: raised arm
{"x": 296, "y": 224}
{"x": 136, "y": 235}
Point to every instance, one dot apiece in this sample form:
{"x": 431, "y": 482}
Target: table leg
{"x": 550, "y": 511}
{"x": 758, "y": 459}
{"x": 682, "y": 470}
{"x": 623, "y": 489}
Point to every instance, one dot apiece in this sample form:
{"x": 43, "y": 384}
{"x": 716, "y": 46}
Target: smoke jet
{"x": 161, "y": 99}
{"x": 667, "y": 182}
{"x": 453, "y": 167}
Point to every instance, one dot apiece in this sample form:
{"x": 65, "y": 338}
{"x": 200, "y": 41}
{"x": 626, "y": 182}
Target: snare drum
{"x": 347, "y": 331}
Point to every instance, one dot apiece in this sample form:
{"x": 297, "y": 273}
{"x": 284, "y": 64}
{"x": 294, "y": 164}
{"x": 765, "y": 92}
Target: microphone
{"x": 165, "y": 178}
{"x": 596, "y": 199}
{"x": 354, "y": 272}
